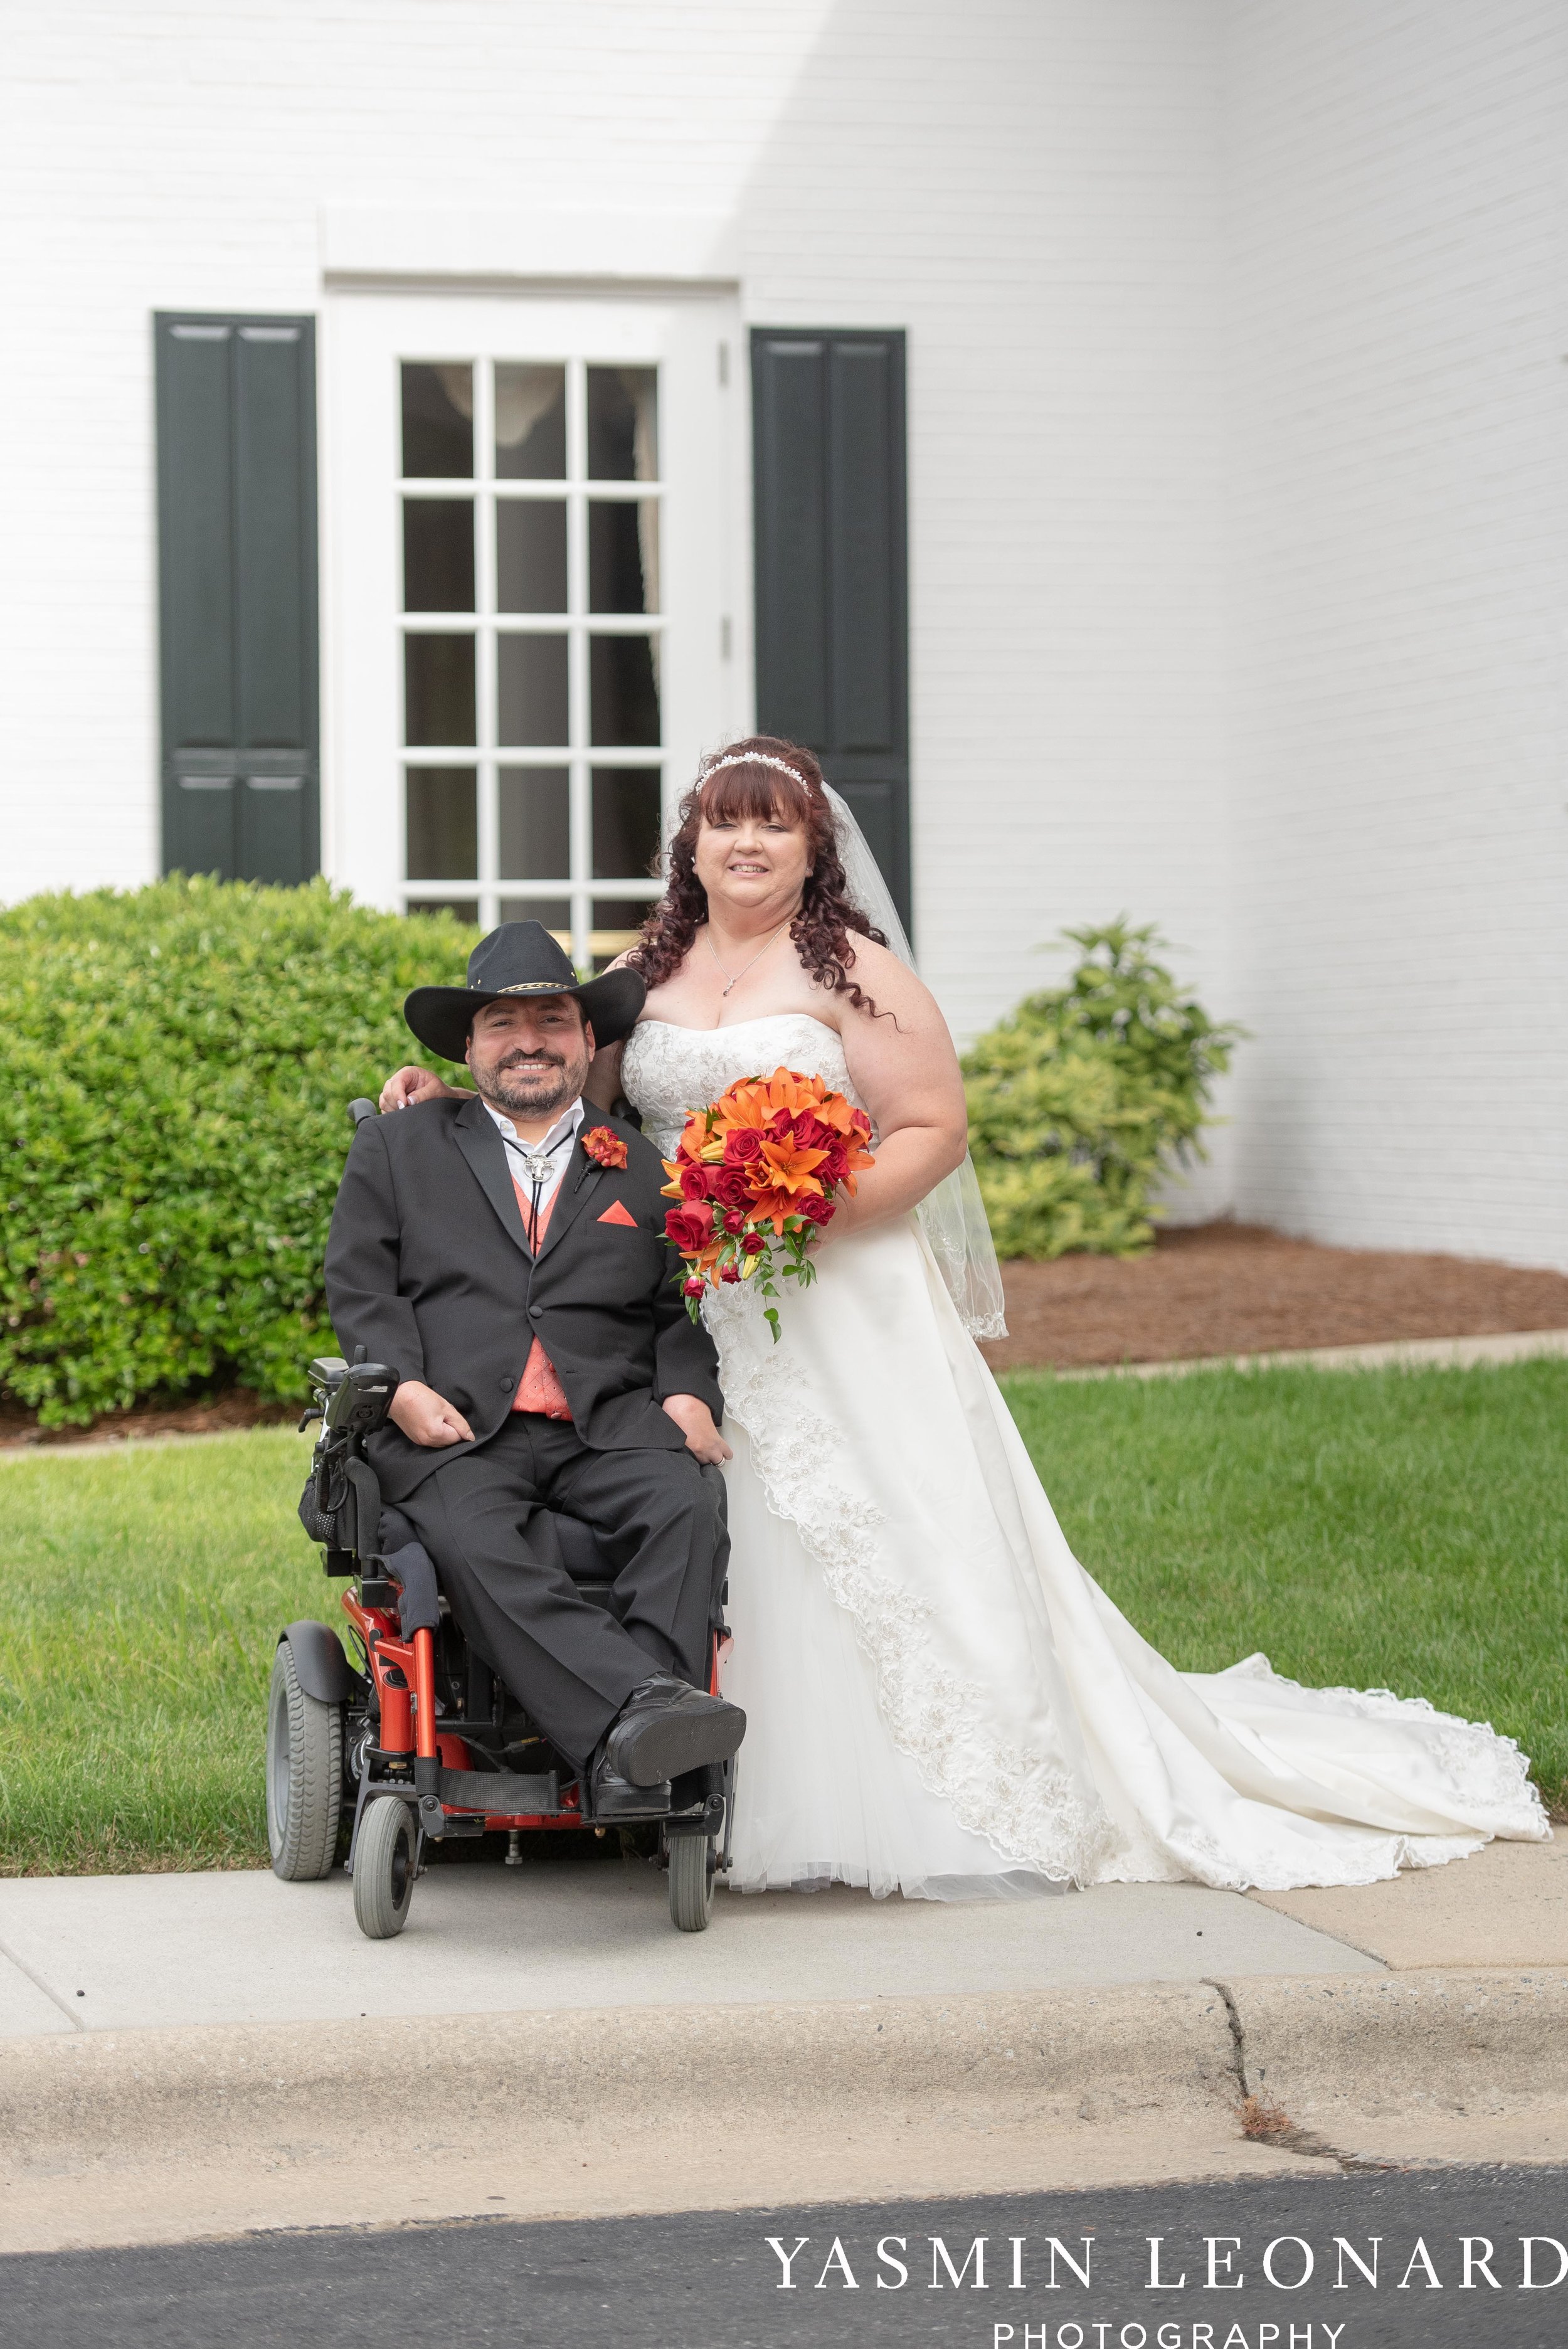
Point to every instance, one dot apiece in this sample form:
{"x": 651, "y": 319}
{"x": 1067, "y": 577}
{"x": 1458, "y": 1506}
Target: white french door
{"x": 532, "y": 598}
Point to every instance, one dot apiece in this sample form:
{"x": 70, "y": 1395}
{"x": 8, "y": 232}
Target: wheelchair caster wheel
{"x": 384, "y": 1867}
{"x": 691, "y": 1858}
{"x": 304, "y": 1776}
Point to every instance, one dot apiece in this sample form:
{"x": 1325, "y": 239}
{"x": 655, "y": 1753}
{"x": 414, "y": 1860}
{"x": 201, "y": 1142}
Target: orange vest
{"x": 539, "y": 1389}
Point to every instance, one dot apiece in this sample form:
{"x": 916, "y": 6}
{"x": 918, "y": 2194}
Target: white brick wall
{"x": 1206, "y": 299}
{"x": 1398, "y": 209}
{"x": 1031, "y": 191}
{"x": 1029, "y": 186}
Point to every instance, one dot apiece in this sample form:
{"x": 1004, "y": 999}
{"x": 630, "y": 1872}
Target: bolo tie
{"x": 536, "y": 1167}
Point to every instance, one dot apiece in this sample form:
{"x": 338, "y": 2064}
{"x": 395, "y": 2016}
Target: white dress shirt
{"x": 556, "y": 1148}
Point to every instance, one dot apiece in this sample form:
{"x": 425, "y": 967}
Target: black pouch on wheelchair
{"x": 327, "y": 1504}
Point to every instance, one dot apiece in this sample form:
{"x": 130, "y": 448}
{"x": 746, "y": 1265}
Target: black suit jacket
{"x": 427, "y": 1267}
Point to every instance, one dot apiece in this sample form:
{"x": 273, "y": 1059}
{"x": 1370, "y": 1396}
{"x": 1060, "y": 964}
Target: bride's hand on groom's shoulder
{"x": 406, "y": 1087}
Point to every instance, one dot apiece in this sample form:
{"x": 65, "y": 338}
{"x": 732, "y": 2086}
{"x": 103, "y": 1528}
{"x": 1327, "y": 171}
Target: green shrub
{"x": 1086, "y": 1093}
{"x": 175, "y": 1064}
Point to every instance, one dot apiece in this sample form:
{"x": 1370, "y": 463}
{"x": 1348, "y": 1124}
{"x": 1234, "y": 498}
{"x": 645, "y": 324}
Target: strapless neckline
{"x": 670, "y": 1071}
{"x": 761, "y": 1019}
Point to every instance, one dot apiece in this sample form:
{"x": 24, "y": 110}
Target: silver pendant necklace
{"x": 756, "y": 957}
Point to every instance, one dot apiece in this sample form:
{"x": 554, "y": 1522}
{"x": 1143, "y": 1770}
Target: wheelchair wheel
{"x": 691, "y": 1881}
{"x": 384, "y": 1861}
{"x": 304, "y": 1776}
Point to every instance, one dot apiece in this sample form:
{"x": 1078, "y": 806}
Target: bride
{"x": 940, "y": 1699}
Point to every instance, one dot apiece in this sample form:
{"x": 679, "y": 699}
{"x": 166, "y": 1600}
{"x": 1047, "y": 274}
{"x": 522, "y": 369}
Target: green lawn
{"x": 146, "y": 1591}
{"x": 1398, "y": 1530}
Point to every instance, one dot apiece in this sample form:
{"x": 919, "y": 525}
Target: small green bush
{"x": 175, "y": 1063}
{"x": 1086, "y": 1093}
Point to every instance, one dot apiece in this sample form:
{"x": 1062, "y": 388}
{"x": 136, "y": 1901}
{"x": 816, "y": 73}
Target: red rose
{"x": 810, "y": 1133}
{"x": 860, "y": 1121}
{"x": 693, "y": 1288}
{"x": 742, "y": 1146}
{"x": 816, "y": 1211}
{"x": 689, "y": 1229}
{"x": 730, "y": 1272}
{"x": 781, "y": 1125}
{"x": 694, "y": 1182}
{"x": 730, "y": 1186}
{"x": 836, "y": 1164}
{"x": 605, "y": 1148}
{"x": 753, "y": 1244}
{"x": 734, "y": 1221}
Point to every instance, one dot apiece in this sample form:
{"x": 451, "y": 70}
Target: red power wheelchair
{"x": 422, "y": 1742}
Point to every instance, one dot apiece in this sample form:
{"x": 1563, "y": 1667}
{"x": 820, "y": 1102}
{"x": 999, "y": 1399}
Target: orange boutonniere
{"x": 605, "y": 1148}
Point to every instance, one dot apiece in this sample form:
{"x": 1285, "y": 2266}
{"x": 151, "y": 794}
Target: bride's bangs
{"x": 756, "y": 793}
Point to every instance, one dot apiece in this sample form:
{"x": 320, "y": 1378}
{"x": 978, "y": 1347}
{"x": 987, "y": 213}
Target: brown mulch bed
{"x": 236, "y": 1408}
{"x": 1236, "y": 1288}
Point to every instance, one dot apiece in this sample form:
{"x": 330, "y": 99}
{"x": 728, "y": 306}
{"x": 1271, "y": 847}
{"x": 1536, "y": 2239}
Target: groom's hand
{"x": 696, "y": 1423}
{"x": 427, "y": 1418}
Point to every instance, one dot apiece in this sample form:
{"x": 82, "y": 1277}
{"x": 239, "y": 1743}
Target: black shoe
{"x": 614, "y": 1797}
{"x": 666, "y": 1727}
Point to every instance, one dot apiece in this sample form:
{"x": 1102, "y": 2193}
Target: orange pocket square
{"x": 616, "y": 1214}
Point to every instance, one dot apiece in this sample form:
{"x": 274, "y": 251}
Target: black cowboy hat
{"x": 521, "y": 959}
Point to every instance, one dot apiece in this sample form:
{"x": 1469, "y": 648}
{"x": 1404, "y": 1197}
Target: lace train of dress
{"x": 941, "y": 1700}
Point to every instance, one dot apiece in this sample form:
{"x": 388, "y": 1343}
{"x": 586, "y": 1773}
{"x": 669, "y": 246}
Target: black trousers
{"x": 485, "y": 1519}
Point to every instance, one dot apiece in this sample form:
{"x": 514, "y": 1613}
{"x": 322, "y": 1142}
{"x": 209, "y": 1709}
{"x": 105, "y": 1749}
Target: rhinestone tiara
{"x": 750, "y": 759}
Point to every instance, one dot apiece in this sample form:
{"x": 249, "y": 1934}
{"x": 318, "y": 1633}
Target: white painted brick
{"x": 1029, "y": 186}
{"x": 1397, "y": 196}
{"x": 1239, "y": 565}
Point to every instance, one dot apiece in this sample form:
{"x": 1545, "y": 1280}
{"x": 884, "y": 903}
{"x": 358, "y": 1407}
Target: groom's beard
{"x": 540, "y": 1092}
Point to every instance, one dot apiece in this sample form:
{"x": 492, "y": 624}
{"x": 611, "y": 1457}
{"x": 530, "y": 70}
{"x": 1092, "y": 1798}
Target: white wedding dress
{"x": 940, "y": 1700}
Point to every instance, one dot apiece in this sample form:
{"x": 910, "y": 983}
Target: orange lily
{"x": 759, "y": 1099}
{"x": 773, "y": 1207}
{"x": 792, "y": 1167}
{"x": 837, "y": 1113}
{"x": 747, "y": 1105}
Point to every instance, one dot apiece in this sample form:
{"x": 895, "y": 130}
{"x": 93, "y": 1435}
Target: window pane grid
{"x": 536, "y": 624}
{"x": 490, "y": 437}
{"x": 441, "y": 485}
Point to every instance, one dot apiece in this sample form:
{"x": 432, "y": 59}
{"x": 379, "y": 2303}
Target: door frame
{"x": 697, "y": 336}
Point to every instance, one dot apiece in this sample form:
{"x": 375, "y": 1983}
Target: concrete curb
{"x": 178, "y": 2135}
{"x": 1411, "y": 1353}
{"x": 67, "y": 2101}
{"x": 1448, "y": 1353}
{"x": 1367, "y": 2043}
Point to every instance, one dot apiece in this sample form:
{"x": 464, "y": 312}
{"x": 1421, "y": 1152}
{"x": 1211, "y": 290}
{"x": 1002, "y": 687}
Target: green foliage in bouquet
{"x": 175, "y": 1066}
{"x": 1086, "y": 1093}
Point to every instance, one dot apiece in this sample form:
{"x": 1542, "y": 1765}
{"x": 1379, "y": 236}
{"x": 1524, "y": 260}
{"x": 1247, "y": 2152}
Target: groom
{"x": 505, "y": 1255}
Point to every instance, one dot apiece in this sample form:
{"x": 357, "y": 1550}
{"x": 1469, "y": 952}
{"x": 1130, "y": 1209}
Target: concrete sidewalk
{"x": 542, "y": 2042}
{"x": 1383, "y": 1354}
{"x": 1411, "y": 1353}
{"x": 1506, "y": 1907}
{"x": 157, "y": 1952}
{"x": 138, "y": 1952}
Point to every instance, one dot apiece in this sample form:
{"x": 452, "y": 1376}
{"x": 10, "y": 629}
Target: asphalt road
{"x": 708, "y": 2279}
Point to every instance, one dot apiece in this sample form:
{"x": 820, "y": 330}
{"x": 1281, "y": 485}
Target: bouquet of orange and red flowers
{"x": 758, "y": 1175}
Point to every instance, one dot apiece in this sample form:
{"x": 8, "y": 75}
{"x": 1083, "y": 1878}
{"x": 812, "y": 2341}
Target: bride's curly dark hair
{"x": 828, "y": 916}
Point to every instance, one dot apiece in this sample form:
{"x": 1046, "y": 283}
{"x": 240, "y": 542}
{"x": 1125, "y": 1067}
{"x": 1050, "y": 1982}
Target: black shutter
{"x": 237, "y": 595}
{"x": 832, "y": 568}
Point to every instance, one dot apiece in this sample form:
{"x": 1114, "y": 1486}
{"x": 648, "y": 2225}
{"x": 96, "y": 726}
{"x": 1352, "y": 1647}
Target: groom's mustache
{"x": 516, "y": 1059}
